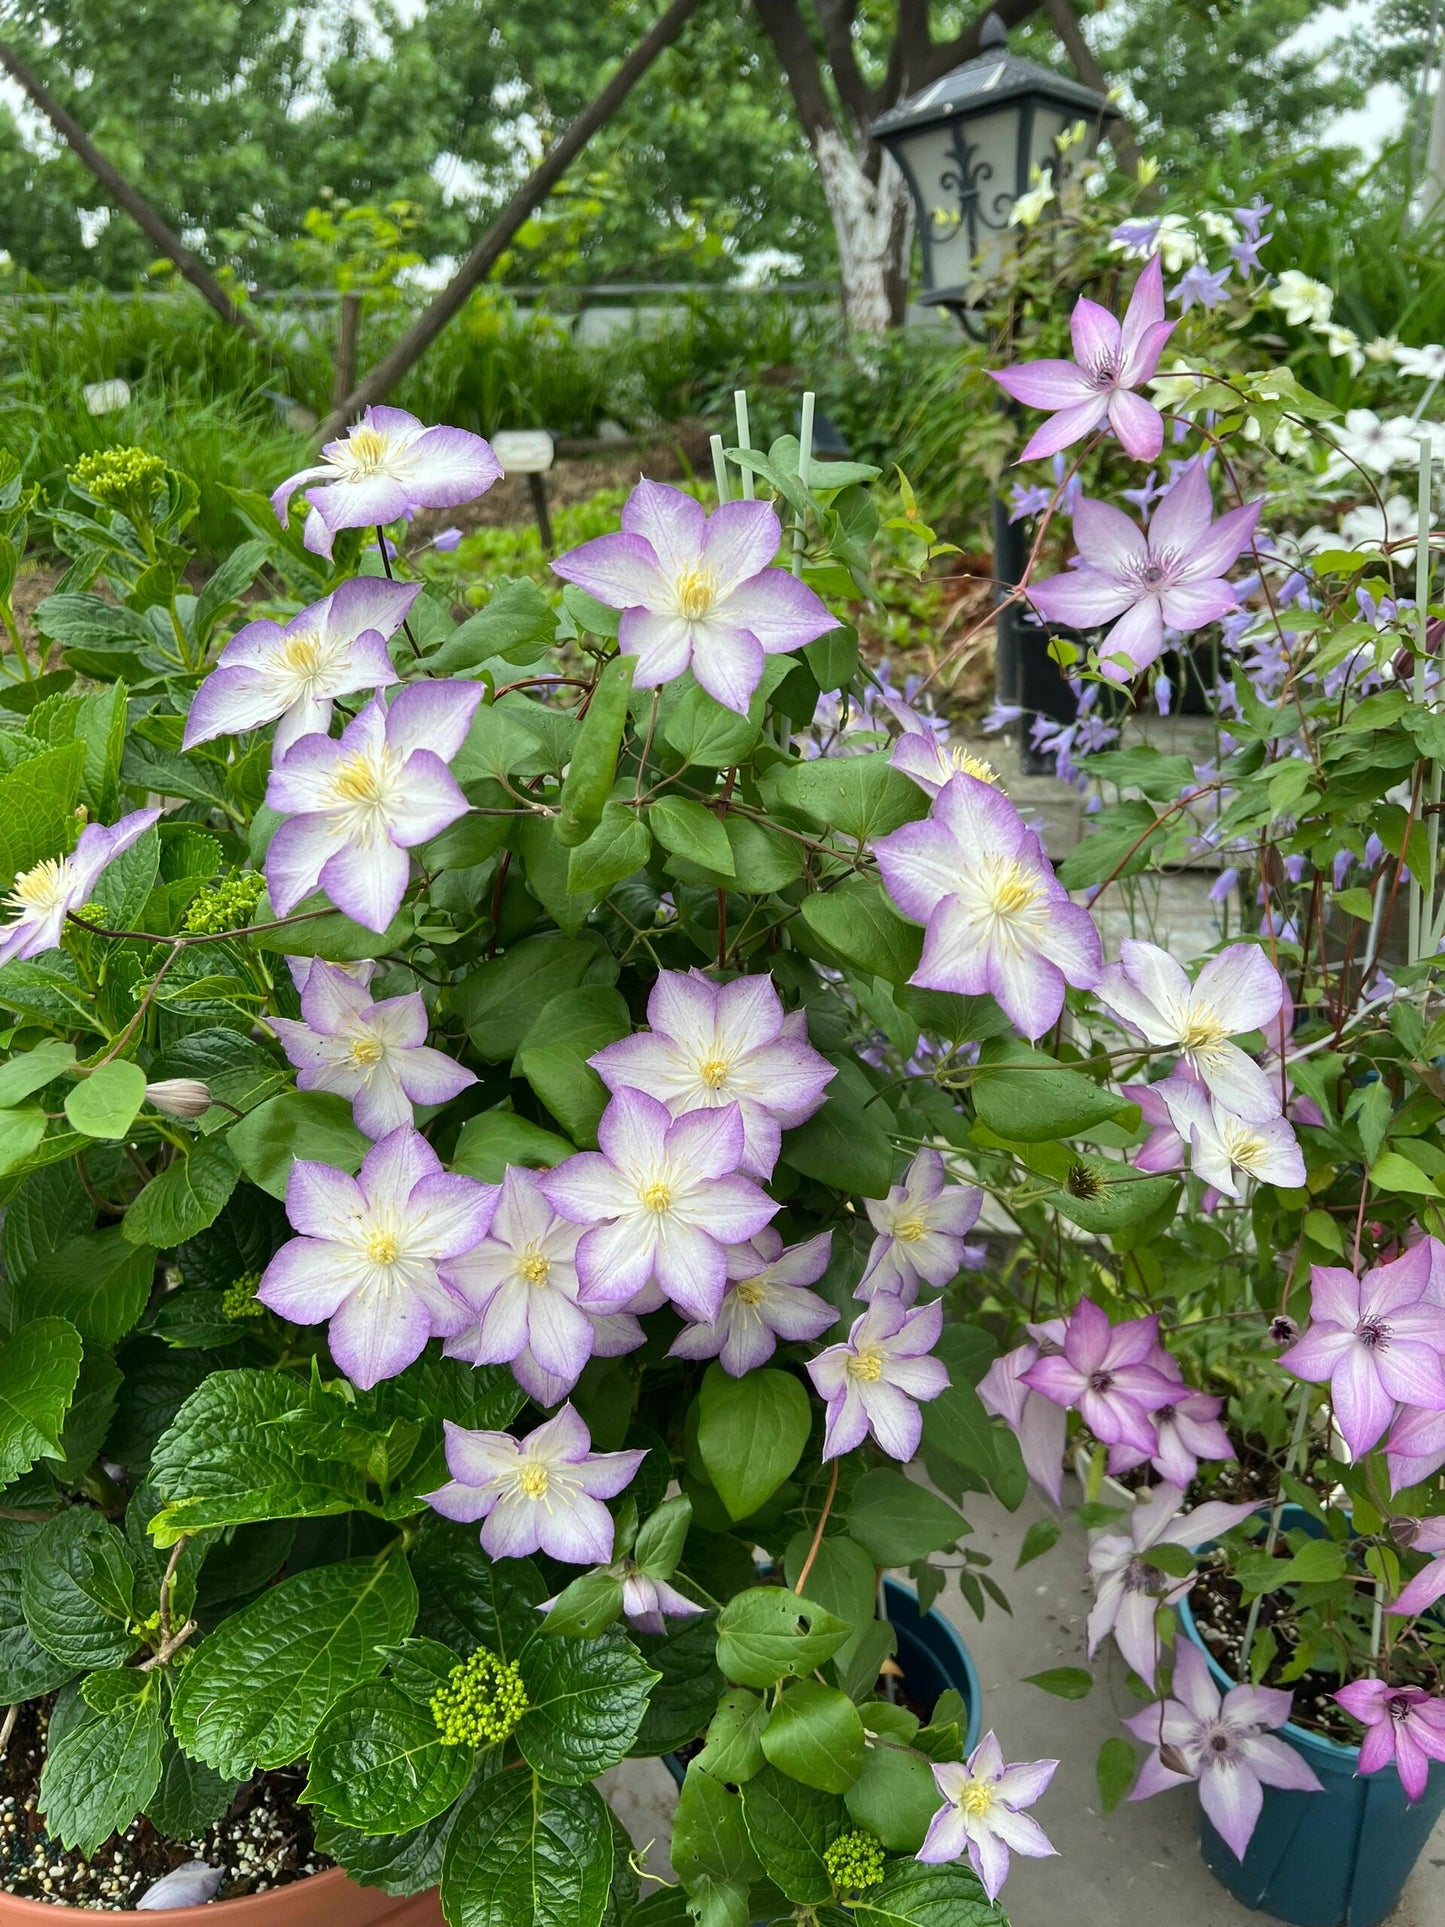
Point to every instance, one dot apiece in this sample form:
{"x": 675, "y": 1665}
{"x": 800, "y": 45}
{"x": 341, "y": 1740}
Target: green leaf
{"x": 99, "y": 1283}
{"x": 39, "y": 1370}
{"x": 751, "y": 1433}
{"x": 186, "y": 1197}
{"x": 105, "y": 1768}
{"x": 297, "y": 1124}
{"x": 518, "y": 624}
{"x": 687, "y": 1690}
{"x": 1392, "y": 1172}
{"x": 378, "y": 1763}
{"x": 568, "y": 1029}
{"x": 833, "y": 658}
{"x": 896, "y": 1520}
{"x": 525, "y": 1854}
{"x": 1118, "y": 842}
{"x": 913, "y": 1895}
{"x": 816, "y": 1736}
{"x": 768, "y": 1633}
{"x": 398, "y": 1863}
{"x": 586, "y": 1698}
{"x": 486, "y": 1145}
{"x": 619, "y": 845}
{"x": 1041, "y": 1537}
{"x": 587, "y": 1607}
{"x": 31, "y": 1070}
{"x": 189, "y": 1797}
{"x": 859, "y": 796}
{"x": 710, "y": 1847}
{"x": 1064, "y": 1682}
{"x": 228, "y": 583}
{"x": 20, "y": 1135}
{"x": 845, "y": 1144}
{"x": 1114, "y": 1771}
{"x": 499, "y": 1002}
{"x": 955, "y": 1425}
{"x": 37, "y": 804}
{"x": 687, "y": 829}
{"x": 861, "y": 928}
{"x": 894, "y": 1797}
{"x": 734, "y": 1750}
{"x": 105, "y": 1103}
{"x": 789, "y": 1826}
{"x": 703, "y": 732}
{"x": 259, "y": 1686}
{"x": 467, "y": 1600}
{"x": 77, "y": 1590}
{"x": 593, "y": 763}
{"x": 26, "y": 1669}
{"x": 1021, "y": 1094}
{"x": 660, "y": 1538}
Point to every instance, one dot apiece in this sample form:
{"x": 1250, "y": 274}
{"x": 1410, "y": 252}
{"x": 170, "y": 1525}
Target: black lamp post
{"x": 969, "y": 146}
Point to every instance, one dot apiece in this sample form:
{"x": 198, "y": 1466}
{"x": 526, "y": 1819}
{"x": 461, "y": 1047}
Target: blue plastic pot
{"x": 1334, "y": 1859}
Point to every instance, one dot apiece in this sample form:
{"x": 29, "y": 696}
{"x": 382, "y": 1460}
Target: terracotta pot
{"x": 325, "y": 1900}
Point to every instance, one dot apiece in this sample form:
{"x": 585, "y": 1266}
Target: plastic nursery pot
{"x": 327, "y": 1899}
{"x": 1334, "y": 1859}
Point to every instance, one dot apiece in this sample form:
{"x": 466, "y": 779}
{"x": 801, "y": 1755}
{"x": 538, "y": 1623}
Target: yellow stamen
{"x": 357, "y": 780}
{"x": 657, "y": 1197}
{"x": 910, "y": 1230}
{"x": 751, "y": 1291}
{"x": 367, "y": 450}
{"x": 382, "y": 1247}
{"x": 534, "y": 1267}
{"x": 868, "y": 1363}
{"x": 975, "y": 1797}
{"x": 1202, "y": 1031}
{"x": 696, "y": 591}
{"x": 302, "y": 655}
{"x": 1011, "y": 888}
{"x": 714, "y": 1072}
{"x": 533, "y": 1479}
{"x": 367, "y": 1051}
{"x": 972, "y": 765}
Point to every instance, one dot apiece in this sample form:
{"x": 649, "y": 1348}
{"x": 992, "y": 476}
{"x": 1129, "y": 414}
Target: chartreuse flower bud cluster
{"x": 126, "y": 478}
{"x": 854, "y": 1861}
{"x": 227, "y": 905}
{"x": 239, "y": 1299}
{"x": 480, "y": 1702}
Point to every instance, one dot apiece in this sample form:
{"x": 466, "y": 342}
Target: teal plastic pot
{"x": 1334, "y": 1859}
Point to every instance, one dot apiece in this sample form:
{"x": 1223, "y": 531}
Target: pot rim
{"x": 246, "y": 1910}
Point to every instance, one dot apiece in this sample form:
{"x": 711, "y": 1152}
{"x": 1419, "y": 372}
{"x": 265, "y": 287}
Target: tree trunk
{"x": 873, "y": 224}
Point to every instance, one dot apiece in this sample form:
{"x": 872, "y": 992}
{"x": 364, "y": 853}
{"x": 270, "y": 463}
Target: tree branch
{"x": 1065, "y": 23}
{"x": 836, "y": 17}
{"x": 798, "y": 59}
{"x": 966, "y": 45}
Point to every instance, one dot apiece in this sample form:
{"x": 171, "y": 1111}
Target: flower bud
{"x": 1283, "y": 1330}
{"x": 184, "y": 1097}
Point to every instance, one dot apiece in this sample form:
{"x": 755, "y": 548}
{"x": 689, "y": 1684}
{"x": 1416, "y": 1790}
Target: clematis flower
{"x": 983, "y": 1815}
{"x": 383, "y": 466}
{"x": 997, "y": 919}
{"x": 542, "y": 1493}
{"x": 1402, "y": 1723}
{"x": 1106, "y": 1372}
{"x": 1376, "y": 1339}
{"x": 873, "y": 1382}
{"x": 921, "y": 1225}
{"x": 1239, "y": 990}
{"x": 1040, "y": 1426}
{"x": 647, "y": 1603}
{"x": 765, "y": 1300}
{"x": 43, "y": 897}
{"x": 1428, "y": 1585}
{"x": 1187, "y": 1430}
{"x": 1415, "y": 1447}
{"x": 1110, "y": 361}
{"x": 368, "y": 1255}
{"x": 375, "y": 1055}
{"x": 1128, "y": 1590}
{"x": 1224, "y": 1743}
{"x": 713, "y": 1044}
{"x": 1221, "y": 1144}
{"x": 290, "y": 676}
{"x": 931, "y": 762}
{"x": 1172, "y": 573}
{"x": 356, "y": 805}
{"x": 521, "y": 1283}
{"x": 1301, "y": 300}
{"x": 662, "y": 1200}
{"x": 697, "y": 591}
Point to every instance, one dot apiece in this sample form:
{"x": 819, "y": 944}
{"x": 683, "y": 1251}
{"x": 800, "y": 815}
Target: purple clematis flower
{"x": 1106, "y": 1372}
{"x": 369, "y": 1251}
{"x": 1377, "y": 1340}
{"x": 1171, "y": 575}
{"x": 1222, "y": 1145}
{"x": 1188, "y": 1430}
{"x": 357, "y": 805}
{"x": 714, "y": 1044}
{"x": 1239, "y": 990}
{"x": 997, "y": 918}
{"x": 1416, "y": 1446}
{"x": 697, "y": 590}
{"x": 921, "y": 1225}
{"x": 1111, "y": 360}
{"x": 290, "y": 676}
{"x": 43, "y": 897}
{"x": 1128, "y": 1590}
{"x": 521, "y": 1282}
{"x": 376, "y": 1055}
{"x": 872, "y": 1382}
{"x": 983, "y": 1815}
{"x": 1040, "y": 1426}
{"x": 765, "y": 1300}
{"x": 542, "y": 1493}
{"x": 648, "y": 1603}
{"x": 1402, "y": 1723}
{"x": 1428, "y": 1585}
{"x": 662, "y": 1199}
{"x": 1224, "y": 1743}
{"x": 385, "y": 465}
{"x": 933, "y": 762}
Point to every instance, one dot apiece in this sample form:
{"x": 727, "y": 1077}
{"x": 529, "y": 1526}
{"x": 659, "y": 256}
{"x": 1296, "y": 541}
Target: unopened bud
{"x": 1404, "y": 1532}
{"x": 1170, "y": 1756}
{"x": 1283, "y": 1330}
{"x": 184, "y": 1097}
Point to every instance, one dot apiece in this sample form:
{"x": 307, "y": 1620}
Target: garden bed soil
{"x": 264, "y": 1840}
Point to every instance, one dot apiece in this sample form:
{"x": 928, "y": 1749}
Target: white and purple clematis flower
{"x": 521, "y": 1282}
{"x": 1129, "y": 1591}
{"x": 1171, "y": 575}
{"x": 873, "y": 1382}
{"x": 930, "y": 760}
{"x": 696, "y": 590}
{"x": 713, "y": 1044}
{"x": 765, "y": 1300}
{"x": 648, "y": 1603}
{"x": 1224, "y": 1148}
{"x": 997, "y": 920}
{"x": 542, "y": 1493}
{"x": 1223, "y": 1742}
{"x": 1402, "y": 1723}
{"x": 1039, "y": 1424}
{"x": 355, "y": 805}
{"x": 374, "y": 1054}
{"x": 1239, "y": 990}
{"x": 1111, "y": 360}
{"x": 43, "y": 897}
{"x": 291, "y": 676}
{"x": 662, "y": 1200}
{"x": 983, "y": 1814}
{"x": 1109, "y": 1374}
{"x": 922, "y": 1228}
{"x": 385, "y": 465}
{"x": 369, "y": 1251}
{"x": 1378, "y": 1340}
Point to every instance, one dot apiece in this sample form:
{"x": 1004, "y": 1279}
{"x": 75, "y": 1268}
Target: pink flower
{"x": 1040, "y": 1425}
{"x": 1428, "y": 1585}
{"x": 1377, "y": 1340}
{"x": 983, "y": 1814}
{"x": 1224, "y": 1743}
{"x": 1110, "y": 361}
{"x": 873, "y": 1381}
{"x": 1107, "y": 1373}
{"x": 1402, "y": 1723}
{"x": 1188, "y": 1430}
{"x": 1172, "y": 574}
